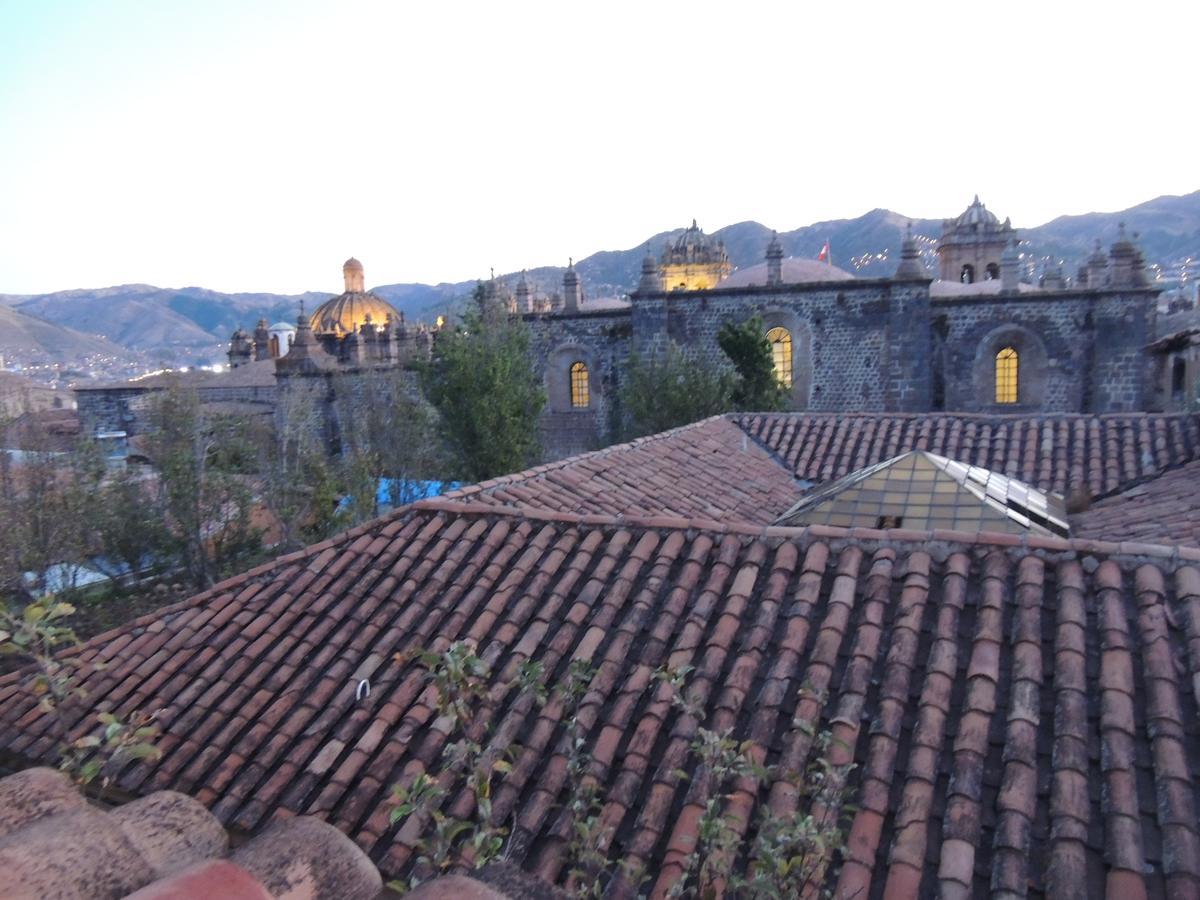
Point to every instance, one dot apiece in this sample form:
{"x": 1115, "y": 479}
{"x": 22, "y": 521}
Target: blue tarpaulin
{"x": 399, "y": 491}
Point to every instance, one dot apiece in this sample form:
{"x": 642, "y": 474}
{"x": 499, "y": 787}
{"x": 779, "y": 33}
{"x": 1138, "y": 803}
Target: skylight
{"x": 923, "y": 491}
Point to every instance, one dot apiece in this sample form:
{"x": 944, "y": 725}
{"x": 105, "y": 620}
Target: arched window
{"x": 993, "y": 272}
{"x": 1006, "y": 376}
{"x": 781, "y": 354}
{"x": 967, "y": 276}
{"x": 580, "y": 395}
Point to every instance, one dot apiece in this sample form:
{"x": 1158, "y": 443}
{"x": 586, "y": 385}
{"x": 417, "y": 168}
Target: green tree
{"x": 387, "y": 433}
{"x": 483, "y": 383}
{"x": 126, "y": 526}
{"x": 757, "y": 388}
{"x": 670, "y": 389}
{"x": 296, "y": 481}
{"x": 204, "y": 461}
{"x": 46, "y": 499}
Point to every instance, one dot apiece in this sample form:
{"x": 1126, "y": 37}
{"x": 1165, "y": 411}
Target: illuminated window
{"x": 1006, "y": 376}
{"x": 781, "y": 354}
{"x": 580, "y": 396}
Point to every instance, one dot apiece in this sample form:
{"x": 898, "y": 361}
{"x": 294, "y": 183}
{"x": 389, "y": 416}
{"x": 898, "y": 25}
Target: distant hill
{"x": 34, "y": 340}
{"x": 144, "y": 317}
{"x": 1168, "y": 228}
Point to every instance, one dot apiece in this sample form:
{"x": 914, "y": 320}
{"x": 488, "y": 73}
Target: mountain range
{"x": 197, "y": 321}
{"x": 37, "y": 340}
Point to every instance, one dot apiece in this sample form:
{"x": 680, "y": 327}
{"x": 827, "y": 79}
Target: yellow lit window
{"x": 580, "y": 397}
{"x": 781, "y": 354}
{"x": 1006, "y": 376}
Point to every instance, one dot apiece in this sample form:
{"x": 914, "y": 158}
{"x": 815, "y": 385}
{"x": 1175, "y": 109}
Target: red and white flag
{"x": 823, "y": 256}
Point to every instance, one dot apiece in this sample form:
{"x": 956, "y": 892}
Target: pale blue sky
{"x": 254, "y": 146}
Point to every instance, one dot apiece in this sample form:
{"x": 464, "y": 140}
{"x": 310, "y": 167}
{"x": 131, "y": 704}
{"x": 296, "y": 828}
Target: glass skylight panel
{"x": 920, "y": 490}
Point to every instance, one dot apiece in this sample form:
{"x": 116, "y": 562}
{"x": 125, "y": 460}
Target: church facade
{"x": 978, "y": 339}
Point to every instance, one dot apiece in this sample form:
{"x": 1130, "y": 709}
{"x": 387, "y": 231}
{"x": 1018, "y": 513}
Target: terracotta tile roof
{"x": 707, "y": 470}
{"x": 1050, "y": 452}
{"x": 1023, "y": 711}
{"x": 1164, "y": 509}
{"x": 164, "y": 846}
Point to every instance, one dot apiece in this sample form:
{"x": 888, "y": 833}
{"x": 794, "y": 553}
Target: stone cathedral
{"x": 975, "y": 337}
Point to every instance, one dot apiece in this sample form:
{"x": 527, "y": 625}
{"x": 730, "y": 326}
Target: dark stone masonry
{"x": 984, "y": 337}
{"x": 902, "y": 344}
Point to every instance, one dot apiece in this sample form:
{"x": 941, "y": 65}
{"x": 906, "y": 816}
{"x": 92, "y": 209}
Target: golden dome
{"x": 346, "y": 313}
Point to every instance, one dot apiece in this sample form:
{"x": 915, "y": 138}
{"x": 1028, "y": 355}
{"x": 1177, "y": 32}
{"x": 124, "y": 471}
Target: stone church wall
{"x": 600, "y": 340}
{"x": 1077, "y": 351}
{"x": 333, "y": 407}
{"x": 111, "y": 409}
{"x": 859, "y": 345}
{"x": 126, "y": 408}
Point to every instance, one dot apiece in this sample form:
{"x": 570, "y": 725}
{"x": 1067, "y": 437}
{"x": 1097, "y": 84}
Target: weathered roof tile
{"x": 958, "y": 679}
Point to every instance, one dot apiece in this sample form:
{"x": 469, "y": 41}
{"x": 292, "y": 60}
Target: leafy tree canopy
{"x": 671, "y": 388}
{"x": 757, "y": 388}
{"x": 483, "y": 383}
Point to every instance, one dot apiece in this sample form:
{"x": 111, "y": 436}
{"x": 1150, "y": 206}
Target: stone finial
{"x": 241, "y": 348}
{"x": 572, "y": 295}
{"x": 305, "y": 353}
{"x": 1122, "y": 258}
{"x": 911, "y": 265}
{"x": 1010, "y": 267}
{"x": 774, "y": 260}
{"x": 651, "y": 280}
{"x": 1139, "y": 277}
{"x": 1097, "y": 267}
{"x": 1052, "y": 277}
{"x": 523, "y": 302}
{"x": 262, "y": 340}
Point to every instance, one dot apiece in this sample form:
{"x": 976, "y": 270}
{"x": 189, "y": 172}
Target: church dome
{"x": 694, "y": 246}
{"x": 352, "y": 263}
{"x": 346, "y": 313}
{"x": 792, "y": 271}
{"x": 977, "y": 214}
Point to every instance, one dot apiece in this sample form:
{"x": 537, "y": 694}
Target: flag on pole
{"x": 823, "y": 256}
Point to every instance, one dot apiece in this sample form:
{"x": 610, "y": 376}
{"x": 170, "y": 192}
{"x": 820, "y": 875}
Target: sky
{"x": 253, "y": 146}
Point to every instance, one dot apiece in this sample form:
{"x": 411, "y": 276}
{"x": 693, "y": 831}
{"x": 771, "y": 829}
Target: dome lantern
{"x": 347, "y": 313}
{"x": 352, "y": 272}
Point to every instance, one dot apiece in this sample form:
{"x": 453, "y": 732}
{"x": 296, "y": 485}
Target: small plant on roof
{"x": 115, "y": 744}
{"x": 40, "y": 632}
{"x": 719, "y": 759}
{"x": 460, "y": 680}
{"x": 791, "y": 852}
{"x": 587, "y": 861}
